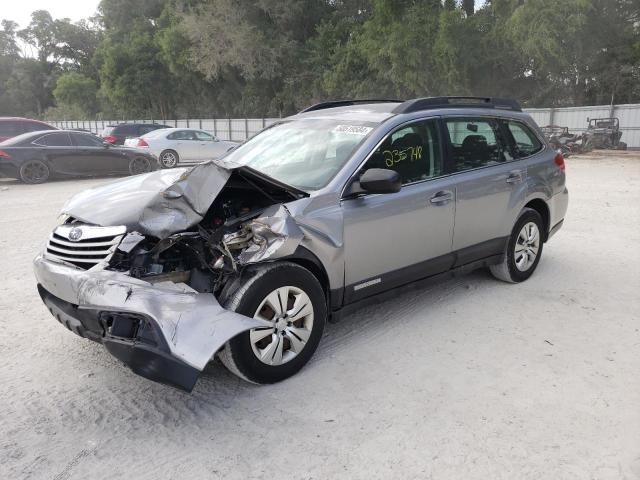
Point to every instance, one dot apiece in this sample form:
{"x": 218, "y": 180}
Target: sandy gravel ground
{"x": 468, "y": 379}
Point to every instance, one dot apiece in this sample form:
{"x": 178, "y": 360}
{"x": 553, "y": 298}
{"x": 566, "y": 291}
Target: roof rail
{"x": 345, "y": 103}
{"x": 429, "y": 103}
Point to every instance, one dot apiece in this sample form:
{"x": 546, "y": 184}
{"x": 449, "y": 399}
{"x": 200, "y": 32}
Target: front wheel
{"x": 291, "y": 302}
{"x": 523, "y": 250}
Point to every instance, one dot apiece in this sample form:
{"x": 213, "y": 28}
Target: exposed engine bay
{"x": 235, "y": 231}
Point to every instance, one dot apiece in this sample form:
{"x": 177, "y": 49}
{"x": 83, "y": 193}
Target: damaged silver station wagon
{"x": 248, "y": 256}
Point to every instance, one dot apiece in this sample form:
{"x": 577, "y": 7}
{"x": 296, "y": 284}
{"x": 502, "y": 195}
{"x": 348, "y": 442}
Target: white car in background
{"x": 173, "y": 146}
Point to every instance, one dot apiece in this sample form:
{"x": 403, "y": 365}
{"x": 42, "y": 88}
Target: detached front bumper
{"x": 166, "y": 332}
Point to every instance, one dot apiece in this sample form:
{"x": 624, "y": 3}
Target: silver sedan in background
{"x": 173, "y": 146}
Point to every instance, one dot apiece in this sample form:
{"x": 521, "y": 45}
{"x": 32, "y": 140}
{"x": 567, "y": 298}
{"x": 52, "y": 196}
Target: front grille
{"x": 84, "y": 245}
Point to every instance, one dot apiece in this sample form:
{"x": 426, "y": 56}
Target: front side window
{"x": 525, "y": 142}
{"x": 413, "y": 151}
{"x": 476, "y": 142}
{"x": 305, "y": 153}
{"x": 86, "y": 140}
{"x": 54, "y": 140}
{"x": 203, "y": 137}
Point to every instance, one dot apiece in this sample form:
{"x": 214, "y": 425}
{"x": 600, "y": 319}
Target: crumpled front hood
{"x": 159, "y": 203}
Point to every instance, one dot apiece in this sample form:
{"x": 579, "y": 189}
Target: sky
{"x": 20, "y": 10}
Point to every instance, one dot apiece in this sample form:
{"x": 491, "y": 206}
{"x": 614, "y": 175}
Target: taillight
{"x": 4, "y": 154}
{"x": 110, "y": 139}
{"x": 142, "y": 143}
{"x": 559, "y": 161}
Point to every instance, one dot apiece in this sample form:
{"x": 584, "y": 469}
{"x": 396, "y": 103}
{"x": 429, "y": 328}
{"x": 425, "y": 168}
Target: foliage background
{"x": 216, "y": 58}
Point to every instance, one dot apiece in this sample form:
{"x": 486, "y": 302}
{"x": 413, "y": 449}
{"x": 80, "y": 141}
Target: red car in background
{"x": 14, "y": 126}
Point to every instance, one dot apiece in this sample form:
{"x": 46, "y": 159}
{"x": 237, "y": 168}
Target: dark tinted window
{"x": 525, "y": 141}
{"x": 147, "y": 128}
{"x": 413, "y": 151}
{"x": 54, "y": 140}
{"x": 86, "y": 140}
{"x": 476, "y": 142}
{"x": 36, "y": 127}
{"x": 126, "y": 130}
{"x": 10, "y": 128}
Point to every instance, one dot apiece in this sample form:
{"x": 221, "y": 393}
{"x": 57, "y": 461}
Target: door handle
{"x": 514, "y": 177}
{"x": 441, "y": 198}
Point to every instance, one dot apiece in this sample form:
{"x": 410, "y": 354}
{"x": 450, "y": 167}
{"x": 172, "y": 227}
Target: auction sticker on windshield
{"x": 352, "y": 129}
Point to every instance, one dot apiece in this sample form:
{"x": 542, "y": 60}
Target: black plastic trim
{"x": 430, "y": 103}
{"x": 459, "y": 260}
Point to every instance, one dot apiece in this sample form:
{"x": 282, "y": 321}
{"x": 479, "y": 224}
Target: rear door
{"x": 60, "y": 153}
{"x": 183, "y": 142}
{"x": 393, "y": 239}
{"x": 490, "y": 186}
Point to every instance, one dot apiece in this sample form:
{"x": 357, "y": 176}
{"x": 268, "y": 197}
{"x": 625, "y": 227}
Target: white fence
{"x": 240, "y": 129}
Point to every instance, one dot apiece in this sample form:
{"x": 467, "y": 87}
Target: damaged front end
{"x": 142, "y": 265}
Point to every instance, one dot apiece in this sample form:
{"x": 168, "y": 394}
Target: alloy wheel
{"x": 527, "y": 246}
{"x": 289, "y": 312}
{"x": 34, "y": 172}
{"x": 168, "y": 159}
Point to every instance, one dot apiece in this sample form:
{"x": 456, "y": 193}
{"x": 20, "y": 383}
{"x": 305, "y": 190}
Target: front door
{"x": 393, "y": 239}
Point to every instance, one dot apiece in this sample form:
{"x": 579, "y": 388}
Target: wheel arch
{"x": 540, "y": 206}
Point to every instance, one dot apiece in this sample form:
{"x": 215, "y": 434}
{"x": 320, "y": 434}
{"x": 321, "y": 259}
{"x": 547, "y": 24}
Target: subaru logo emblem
{"x": 75, "y": 234}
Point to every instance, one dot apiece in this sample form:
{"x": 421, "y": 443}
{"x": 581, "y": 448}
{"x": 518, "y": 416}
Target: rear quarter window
{"x": 525, "y": 141}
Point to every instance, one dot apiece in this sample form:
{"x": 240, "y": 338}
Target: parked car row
{"x": 33, "y": 151}
{"x": 173, "y": 146}
{"x": 36, "y": 157}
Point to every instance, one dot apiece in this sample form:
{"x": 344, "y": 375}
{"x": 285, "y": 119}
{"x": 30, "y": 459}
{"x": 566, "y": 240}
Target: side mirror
{"x": 380, "y": 180}
{"x": 106, "y": 144}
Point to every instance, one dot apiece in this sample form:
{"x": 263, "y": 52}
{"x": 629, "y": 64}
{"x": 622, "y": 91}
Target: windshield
{"x": 302, "y": 153}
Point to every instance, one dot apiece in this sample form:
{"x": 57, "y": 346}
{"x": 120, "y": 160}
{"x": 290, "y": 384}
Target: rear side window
{"x": 525, "y": 141}
{"x": 10, "y": 129}
{"x": 36, "y": 127}
{"x": 147, "y": 128}
{"x": 54, "y": 140}
{"x": 476, "y": 142}
{"x": 126, "y": 130}
{"x": 182, "y": 135}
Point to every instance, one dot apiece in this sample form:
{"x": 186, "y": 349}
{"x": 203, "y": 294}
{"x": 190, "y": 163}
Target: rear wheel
{"x": 524, "y": 249}
{"x": 169, "y": 158}
{"x": 291, "y": 302}
{"x": 34, "y": 171}
{"x": 139, "y": 165}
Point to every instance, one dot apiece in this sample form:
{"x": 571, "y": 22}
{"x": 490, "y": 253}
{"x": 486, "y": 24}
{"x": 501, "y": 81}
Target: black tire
{"x": 168, "y": 159}
{"x": 34, "y": 171}
{"x": 139, "y": 165}
{"x": 507, "y": 270}
{"x": 257, "y": 283}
